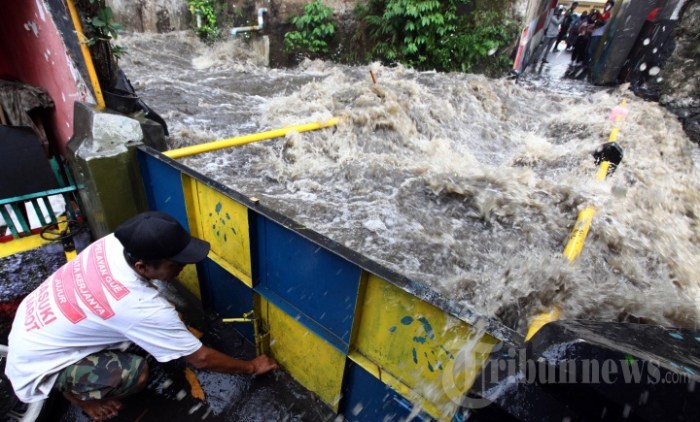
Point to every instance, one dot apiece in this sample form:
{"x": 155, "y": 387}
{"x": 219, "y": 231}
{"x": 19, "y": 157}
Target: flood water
{"x": 467, "y": 184}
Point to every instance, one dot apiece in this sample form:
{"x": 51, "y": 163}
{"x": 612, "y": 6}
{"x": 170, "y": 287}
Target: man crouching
{"x": 66, "y": 333}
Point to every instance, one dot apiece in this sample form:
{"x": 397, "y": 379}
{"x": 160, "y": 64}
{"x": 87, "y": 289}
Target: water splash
{"x": 461, "y": 182}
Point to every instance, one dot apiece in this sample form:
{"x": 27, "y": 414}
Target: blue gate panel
{"x": 366, "y": 399}
{"x": 317, "y": 283}
{"x": 224, "y": 294}
{"x": 163, "y": 184}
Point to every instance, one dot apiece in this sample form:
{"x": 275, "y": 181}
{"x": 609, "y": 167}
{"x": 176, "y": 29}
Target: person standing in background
{"x": 598, "y": 31}
{"x": 551, "y": 33}
{"x": 568, "y": 20}
{"x": 585, "y": 27}
{"x": 574, "y": 29}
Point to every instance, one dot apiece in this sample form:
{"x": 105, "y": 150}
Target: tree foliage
{"x": 100, "y": 32}
{"x": 100, "y": 28}
{"x": 208, "y": 31}
{"x": 315, "y": 30}
{"x": 431, "y": 34}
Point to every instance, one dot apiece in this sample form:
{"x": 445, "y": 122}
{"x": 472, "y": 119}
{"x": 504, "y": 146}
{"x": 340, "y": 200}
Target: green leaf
{"x": 315, "y": 30}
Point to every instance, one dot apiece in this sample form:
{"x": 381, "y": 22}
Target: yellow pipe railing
{"x": 574, "y": 246}
{"x": 541, "y": 319}
{"x": 578, "y": 234}
{"x": 585, "y": 217}
{"x": 247, "y": 139}
{"x": 262, "y": 337}
{"x": 86, "y": 54}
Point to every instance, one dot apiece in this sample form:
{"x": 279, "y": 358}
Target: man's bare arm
{"x": 213, "y": 360}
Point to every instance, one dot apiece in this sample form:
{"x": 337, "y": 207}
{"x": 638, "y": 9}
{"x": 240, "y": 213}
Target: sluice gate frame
{"x": 368, "y": 341}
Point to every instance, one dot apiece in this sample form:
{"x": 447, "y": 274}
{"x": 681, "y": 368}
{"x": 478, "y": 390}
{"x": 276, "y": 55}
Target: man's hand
{"x": 263, "y": 364}
{"x": 213, "y": 360}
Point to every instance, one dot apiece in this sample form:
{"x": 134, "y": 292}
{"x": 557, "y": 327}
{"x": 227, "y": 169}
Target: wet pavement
{"x": 557, "y": 75}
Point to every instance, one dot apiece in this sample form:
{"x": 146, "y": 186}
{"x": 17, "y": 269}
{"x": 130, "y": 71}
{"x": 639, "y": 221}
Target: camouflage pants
{"x": 101, "y": 375}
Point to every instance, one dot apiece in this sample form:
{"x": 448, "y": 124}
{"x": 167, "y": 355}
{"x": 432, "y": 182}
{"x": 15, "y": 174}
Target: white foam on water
{"x": 468, "y": 184}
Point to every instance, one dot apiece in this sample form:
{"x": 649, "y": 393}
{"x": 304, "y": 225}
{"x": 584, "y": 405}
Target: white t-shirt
{"x": 553, "y": 26}
{"x": 93, "y": 303}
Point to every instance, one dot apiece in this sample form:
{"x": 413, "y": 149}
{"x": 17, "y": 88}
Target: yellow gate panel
{"x": 435, "y": 354}
{"x": 222, "y": 222}
{"x": 309, "y": 359}
{"x": 398, "y": 386}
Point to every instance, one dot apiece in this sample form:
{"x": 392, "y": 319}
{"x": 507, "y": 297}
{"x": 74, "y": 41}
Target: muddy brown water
{"x": 465, "y": 184}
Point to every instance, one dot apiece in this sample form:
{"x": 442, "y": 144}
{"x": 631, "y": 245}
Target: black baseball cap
{"x": 157, "y": 235}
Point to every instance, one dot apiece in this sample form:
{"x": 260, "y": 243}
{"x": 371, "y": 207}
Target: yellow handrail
{"x": 578, "y": 234}
{"x": 585, "y": 217}
{"x": 247, "y": 139}
{"x": 574, "y": 246}
{"x": 86, "y": 54}
{"x": 540, "y": 320}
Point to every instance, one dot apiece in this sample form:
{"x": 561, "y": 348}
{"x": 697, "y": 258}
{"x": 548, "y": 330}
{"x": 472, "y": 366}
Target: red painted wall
{"x": 32, "y": 51}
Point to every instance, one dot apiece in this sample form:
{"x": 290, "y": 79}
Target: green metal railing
{"x": 17, "y": 206}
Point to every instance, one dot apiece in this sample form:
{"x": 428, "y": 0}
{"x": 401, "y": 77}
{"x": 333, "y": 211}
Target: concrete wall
{"x": 174, "y": 15}
{"x": 152, "y": 15}
{"x": 168, "y": 15}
